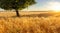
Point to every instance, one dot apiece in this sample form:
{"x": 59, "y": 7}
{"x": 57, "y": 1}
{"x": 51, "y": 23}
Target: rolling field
{"x": 31, "y": 22}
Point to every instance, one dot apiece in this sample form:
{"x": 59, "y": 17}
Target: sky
{"x": 42, "y": 5}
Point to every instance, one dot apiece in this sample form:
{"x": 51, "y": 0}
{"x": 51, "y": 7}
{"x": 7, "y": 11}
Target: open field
{"x": 43, "y": 22}
{"x": 22, "y": 13}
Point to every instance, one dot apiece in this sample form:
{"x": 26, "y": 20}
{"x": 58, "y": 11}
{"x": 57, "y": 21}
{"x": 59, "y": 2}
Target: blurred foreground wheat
{"x": 30, "y": 25}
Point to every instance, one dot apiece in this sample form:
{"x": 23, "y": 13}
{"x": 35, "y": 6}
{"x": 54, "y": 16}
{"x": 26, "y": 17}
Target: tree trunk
{"x": 17, "y": 13}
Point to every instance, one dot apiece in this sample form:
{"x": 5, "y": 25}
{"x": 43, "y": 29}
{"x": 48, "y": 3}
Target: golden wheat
{"x": 29, "y": 24}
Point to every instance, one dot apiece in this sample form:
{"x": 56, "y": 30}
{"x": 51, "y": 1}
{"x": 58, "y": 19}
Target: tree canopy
{"x": 15, "y": 4}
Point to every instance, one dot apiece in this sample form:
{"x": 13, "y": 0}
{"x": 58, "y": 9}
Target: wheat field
{"x": 9, "y": 24}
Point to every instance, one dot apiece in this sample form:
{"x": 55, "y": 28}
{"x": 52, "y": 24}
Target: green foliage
{"x": 15, "y": 4}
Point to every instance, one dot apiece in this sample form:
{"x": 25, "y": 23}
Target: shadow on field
{"x": 39, "y": 15}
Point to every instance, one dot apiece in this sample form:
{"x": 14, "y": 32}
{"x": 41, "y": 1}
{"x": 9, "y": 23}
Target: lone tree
{"x": 16, "y": 4}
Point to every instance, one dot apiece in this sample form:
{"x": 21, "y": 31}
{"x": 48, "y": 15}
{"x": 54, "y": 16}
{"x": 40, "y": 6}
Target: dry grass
{"x": 29, "y": 24}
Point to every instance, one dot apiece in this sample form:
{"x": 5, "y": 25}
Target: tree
{"x": 16, "y": 4}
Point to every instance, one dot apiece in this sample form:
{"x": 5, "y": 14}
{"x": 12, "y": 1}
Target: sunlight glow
{"x": 55, "y": 6}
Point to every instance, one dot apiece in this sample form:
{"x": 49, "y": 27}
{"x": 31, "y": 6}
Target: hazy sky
{"x": 44, "y": 5}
